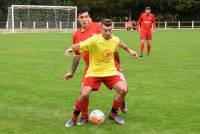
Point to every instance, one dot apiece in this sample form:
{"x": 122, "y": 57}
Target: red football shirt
{"x": 145, "y": 22}
{"x": 129, "y": 24}
{"x": 78, "y": 36}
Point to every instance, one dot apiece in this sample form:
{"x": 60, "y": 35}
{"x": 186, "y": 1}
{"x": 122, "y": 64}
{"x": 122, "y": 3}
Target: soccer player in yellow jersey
{"x": 102, "y": 68}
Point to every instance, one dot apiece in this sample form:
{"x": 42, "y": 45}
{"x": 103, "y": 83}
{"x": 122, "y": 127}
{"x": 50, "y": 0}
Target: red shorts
{"x": 95, "y": 82}
{"x": 84, "y": 73}
{"x": 145, "y": 35}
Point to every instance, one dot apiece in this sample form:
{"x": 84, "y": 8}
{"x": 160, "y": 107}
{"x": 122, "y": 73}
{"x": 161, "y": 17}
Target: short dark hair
{"x": 83, "y": 10}
{"x": 147, "y": 8}
{"x": 106, "y": 22}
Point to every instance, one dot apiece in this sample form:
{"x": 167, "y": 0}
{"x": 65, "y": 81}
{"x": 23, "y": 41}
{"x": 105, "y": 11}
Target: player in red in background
{"x": 87, "y": 29}
{"x": 145, "y": 23}
{"x": 128, "y": 25}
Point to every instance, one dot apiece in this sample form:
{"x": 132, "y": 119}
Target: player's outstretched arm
{"x": 75, "y": 62}
{"x": 139, "y": 24}
{"x": 154, "y": 24}
{"x": 128, "y": 50}
{"x": 75, "y": 48}
{"x": 74, "y": 66}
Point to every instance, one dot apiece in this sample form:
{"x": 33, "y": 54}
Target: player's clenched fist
{"x": 133, "y": 53}
{"x": 68, "y": 76}
{"x": 68, "y": 51}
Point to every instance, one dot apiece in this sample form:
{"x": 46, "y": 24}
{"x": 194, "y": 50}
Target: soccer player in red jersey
{"x": 102, "y": 69}
{"x": 88, "y": 29}
{"x": 128, "y": 25}
{"x": 145, "y": 23}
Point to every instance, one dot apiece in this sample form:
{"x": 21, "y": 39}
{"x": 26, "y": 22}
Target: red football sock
{"x": 85, "y": 108}
{"x": 141, "y": 48}
{"x": 148, "y": 49}
{"x": 116, "y": 106}
{"x": 77, "y": 110}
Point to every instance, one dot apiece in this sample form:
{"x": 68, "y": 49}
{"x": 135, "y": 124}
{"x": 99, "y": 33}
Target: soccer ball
{"x": 97, "y": 117}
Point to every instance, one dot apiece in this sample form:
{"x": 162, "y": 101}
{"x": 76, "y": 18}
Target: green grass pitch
{"x": 164, "y": 89}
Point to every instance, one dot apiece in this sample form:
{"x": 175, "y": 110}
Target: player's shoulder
{"x": 95, "y": 37}
{"x": 143, "y": 14}
{"x": 77, "y": 31}
{"x": 152, "y": 15}
{"x": 95, "y": 24}
{"x": 115, "y": 38}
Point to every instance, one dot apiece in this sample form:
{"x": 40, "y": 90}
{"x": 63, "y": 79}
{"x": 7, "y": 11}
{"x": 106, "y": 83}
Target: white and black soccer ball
{"x": 97, "y": 117}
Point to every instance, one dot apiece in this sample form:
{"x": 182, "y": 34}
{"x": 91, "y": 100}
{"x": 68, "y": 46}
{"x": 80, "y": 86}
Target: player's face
{"x": 148, "y": 11}
{"x": 84, "y": 19}
{"x": 106, "y": 32}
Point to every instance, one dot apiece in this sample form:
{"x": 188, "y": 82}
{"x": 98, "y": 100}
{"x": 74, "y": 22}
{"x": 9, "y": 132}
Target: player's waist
{"x": 101, "y": 74}
{"x": 101, "y": 71}
{"x": 144, "y": 30}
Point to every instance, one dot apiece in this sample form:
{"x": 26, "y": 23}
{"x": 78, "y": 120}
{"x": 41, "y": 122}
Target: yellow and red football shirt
{"x": 101, "y": 55}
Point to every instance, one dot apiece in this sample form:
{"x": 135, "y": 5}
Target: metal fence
{"x": 116, "y": 25}
{"x": 164, "y": 25}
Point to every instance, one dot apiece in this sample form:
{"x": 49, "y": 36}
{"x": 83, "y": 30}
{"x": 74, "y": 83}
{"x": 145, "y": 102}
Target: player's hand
{"x": 133, "y": 53}
{"x": 137, "y": 29}
{"x": 154, "y": 30}
{"x": 68, "y": 76}
{"x": 68, "y": 51}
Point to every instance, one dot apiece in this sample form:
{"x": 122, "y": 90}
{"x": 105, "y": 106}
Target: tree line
{"x": 119, "y": 10}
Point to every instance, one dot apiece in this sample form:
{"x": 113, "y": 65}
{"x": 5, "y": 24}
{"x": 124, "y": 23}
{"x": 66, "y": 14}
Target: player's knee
{"x": 84, "y": 95}
{"x": 142, "y": 41}
{"x": 123, "y": 90}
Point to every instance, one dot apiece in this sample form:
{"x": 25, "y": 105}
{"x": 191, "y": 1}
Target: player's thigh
{"x": 110, "y": 80}
{"x": 93, "y": 82}
{"x": 121, "y": 75}
{"x": 149, "y": 42}
{"x": 149, "y": 36}
{"x": 120, "y": 87}
{"x": 143, "y": 36}
{"x": 86, "y": 90}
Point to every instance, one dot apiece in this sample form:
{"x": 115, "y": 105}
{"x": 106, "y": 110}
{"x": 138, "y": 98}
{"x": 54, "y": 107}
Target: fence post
{"x": 6, "y": 25}
{"x": 179, "y": 25}
{"x": 60, "y": 25}
{"x": 47, "y": 24}
{"x": 113, "y": 25}
{"x": 20, "y": 25}
{"x": 165, "y": 24}
{"x": 192, "y": 24}
{"x": 34, "y": 25}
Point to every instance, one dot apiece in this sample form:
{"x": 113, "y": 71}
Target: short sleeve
{"x": 118, "y": 41}
{"x": 86, "y": 45}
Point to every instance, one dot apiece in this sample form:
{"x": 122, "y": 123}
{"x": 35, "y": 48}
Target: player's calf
{"x": 124, "y": 107}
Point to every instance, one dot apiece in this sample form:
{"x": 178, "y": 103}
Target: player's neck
{"x": 107, "y": 38}
{"x": 83, "y": 29}
{"x": 148, "y": 14}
